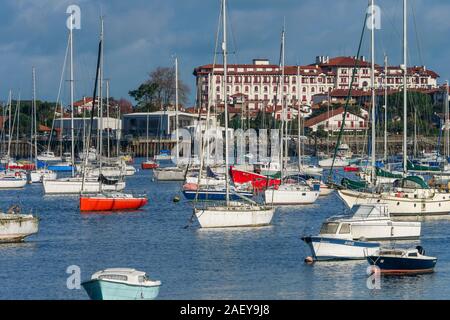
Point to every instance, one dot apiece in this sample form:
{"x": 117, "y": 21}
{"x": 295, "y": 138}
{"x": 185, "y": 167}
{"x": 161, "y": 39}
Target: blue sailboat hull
{"x": 213, "y": 195}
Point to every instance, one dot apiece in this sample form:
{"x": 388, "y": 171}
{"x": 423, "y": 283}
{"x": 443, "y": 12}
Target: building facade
{"x": 259, "y": 84}
{"x": 332, "y": 121}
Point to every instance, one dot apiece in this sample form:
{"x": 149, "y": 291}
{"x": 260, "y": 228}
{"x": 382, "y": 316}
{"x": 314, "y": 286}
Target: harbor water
{"x": 194, "y": 263}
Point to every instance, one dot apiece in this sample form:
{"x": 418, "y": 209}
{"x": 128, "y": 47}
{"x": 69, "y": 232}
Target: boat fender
{"x": 176, "y": 199}
{"x": 309, "y": 260}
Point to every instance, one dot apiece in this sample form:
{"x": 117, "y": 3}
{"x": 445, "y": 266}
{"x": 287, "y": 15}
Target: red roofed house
{"x": 84, "y": 104}
{"x": 332, "y": 120}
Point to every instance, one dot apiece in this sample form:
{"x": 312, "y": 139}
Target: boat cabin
{"x": 124, "y": 275}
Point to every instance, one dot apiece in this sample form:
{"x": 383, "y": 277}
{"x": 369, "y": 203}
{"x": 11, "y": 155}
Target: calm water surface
{"x": 264, "y": 263}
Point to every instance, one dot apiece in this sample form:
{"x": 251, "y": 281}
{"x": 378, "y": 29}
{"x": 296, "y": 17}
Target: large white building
{"x": 332, "y": 121}
{"x": 257, "y": 84}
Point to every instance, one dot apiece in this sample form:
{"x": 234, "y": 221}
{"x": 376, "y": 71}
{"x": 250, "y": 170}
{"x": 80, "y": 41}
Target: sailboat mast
{"x": 385, "y": 105}
{"x": 71, "y": 97}
{"x": 225, "y": 96}
{"x": 299, "y": 154}
{"x": 34, "y": 118}
{"x": 372, "y": 8}
{"x": 280, "y": 90}
{"x": 447, "y": 122}
{"x": 405, "y": 90}
{"x": 107, "y": 117}
{"x": 176, "y": 108}
{"x": 9, "y": 124}
{"x": 100, "y": 120}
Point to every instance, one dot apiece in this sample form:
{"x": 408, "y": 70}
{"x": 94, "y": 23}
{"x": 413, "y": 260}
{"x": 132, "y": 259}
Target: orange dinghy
{"x": 111, "y": 202}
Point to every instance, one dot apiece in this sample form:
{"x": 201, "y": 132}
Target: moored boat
{"x": 149, "y": 164}
{"x": 121, "y": 284}
{"x": 402, "y": 261}
{"x": 111, "y": 201}
{"x": 15, "y": 227}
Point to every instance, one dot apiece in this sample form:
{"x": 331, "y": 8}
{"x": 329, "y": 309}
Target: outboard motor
{"x": 420, "y": 250}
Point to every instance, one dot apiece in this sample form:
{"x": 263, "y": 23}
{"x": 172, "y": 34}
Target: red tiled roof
{"x": 345, "y": 62}
{"x": 324, "y": 116}
{"x": 82, "y": 102}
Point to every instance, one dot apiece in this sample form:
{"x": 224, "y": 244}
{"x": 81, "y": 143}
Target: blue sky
{"x": 143, "y": 34}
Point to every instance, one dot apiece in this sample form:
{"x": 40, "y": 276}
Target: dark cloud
{"x": 143, "y": 34}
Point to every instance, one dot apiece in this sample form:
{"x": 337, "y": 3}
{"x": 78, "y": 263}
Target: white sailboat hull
{"x": 234, "y": 216}
{"x": 69, "y": 185}
{"x": 169, "y": 174}
{"x": 290, "y": 197}
{"x": 13, "y": 183}
{"x": 39, "y": 175}
{"x": 327, "y": 163}
{"x": 398, "y": 205}
{"x": 15, "y": 227}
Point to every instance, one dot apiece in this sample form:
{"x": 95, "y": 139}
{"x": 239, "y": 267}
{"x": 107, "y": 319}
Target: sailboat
{"x": 75, "y": 184}
{"x": 37, "y": 175}
{"x": 174, "y": 173}
{"x": 148, "y": 164}
{"x": 104, "y": 200}
{"x": 233, "y": 213}
{"x": 11, "y": 179}
{"x": 292, "y": 189}
{"x": 410, "y": 196}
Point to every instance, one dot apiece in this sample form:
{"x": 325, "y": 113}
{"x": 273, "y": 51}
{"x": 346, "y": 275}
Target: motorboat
{"x": 402, "y": 261}
{"x": 111, "y": 201}
{"x": 236, "y": 214}
{"x": 15, "y": 226}
{"x": 164, "y": 155}
{"x": 48, "y": 156}
{"x": 371, "y": 222}
{"x": 340, "y": 246}
{"x": 121, "y": 284}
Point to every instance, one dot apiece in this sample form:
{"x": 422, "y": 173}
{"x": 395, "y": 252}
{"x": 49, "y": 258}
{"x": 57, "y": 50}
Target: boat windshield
{"x": 329, "y": 228}
{"x": 117, "y": 277}
{"x": 365, "y": 211}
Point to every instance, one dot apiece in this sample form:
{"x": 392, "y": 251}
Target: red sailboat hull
{"x": 149, "y": 165}
{"x": 28, "y": 166}
{"x": 259, "y": 182}
{"x": 92, "y": 203}
{"x": 351, "y": 169}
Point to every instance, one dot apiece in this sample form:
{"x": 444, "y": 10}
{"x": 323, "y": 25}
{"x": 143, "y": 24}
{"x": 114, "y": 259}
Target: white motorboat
{"x": 121, "y": 284}
{"x": 169, "y": 174}
{"x": 48, "y": 156}
{"x": 339, "y": 247}
{"x": 236, "y": 214}
{"x": 15, "y": 227}
{"x": 371, "y": 222}
{"x": 74, "y": 185}
{"x": 37, "y": 176}
{"x": 410, "y": 198}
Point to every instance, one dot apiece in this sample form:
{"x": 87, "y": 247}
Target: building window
{"x": 256, "y": 89}
{"x": 304, "y": 89}
{"x": 293, "y": 89}
{"x": 217, "y": 89}
{"x": 312, "y": 90}
{"x": 266, "y": 89}
{"x": 284, "y": 89}
{"x": 246, "y": 88}
{"x": 236, "y": 89}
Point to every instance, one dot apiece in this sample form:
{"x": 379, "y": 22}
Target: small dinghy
{"x": 121, "y": 284}
{"x": 15, "y": 226}
{"x": 403, "y": 261}
{"x": 111, "y": 201}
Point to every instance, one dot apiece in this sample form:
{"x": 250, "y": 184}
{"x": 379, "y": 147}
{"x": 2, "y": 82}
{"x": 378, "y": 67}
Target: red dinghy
{"x": 111, "y": 202}
{"x": 149, "y": 164}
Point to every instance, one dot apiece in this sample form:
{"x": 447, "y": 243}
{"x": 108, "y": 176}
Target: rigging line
{"x": 416, "y": 31}
{"x": 63, "y": 71}
{"x": 233, "y": 37}
{"x": 347, "y": 102}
